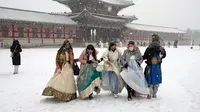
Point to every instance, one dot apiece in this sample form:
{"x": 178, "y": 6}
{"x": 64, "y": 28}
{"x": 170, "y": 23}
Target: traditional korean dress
{"x": 62, "y": 84}
{"x": 111, "y": 79}
{"x": 89, "y": 79}
{"x": 153, "y": 56}
{"x": 134, "y": 77}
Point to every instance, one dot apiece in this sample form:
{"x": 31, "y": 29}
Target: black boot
{"x": 97, "y": 90}
{"x": 129, "y": 93}
{"x": 91, "y": 97}
{"x": 133, "y": 93}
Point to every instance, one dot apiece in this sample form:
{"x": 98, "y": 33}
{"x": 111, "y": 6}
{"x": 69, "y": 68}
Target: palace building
{"x": 89, "y": 21}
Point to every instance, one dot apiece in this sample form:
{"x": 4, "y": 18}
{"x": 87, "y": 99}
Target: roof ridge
{"x": 51, "y": 13}
{"x": 154, "y": 25}
{"x": 22, "y": 10}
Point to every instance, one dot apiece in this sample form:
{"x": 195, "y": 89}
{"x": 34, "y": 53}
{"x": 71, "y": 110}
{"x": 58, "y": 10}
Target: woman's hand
{"x": 58, "y": 70}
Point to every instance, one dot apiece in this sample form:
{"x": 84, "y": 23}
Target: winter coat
{"x": 16, "y": 59}
{"x": 151, "y": 50}
{"x": 83, "y": 59}
{"x": 113, "y": 57}
{"x": 127, "y": 55}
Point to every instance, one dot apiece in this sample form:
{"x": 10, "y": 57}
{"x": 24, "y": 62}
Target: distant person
{"x": 120, "y": 44}
{"x": 175, "y": 43}
{"x": 169, "y": 44}
{"x": 15, "y": 50}
{"x": 199, "y": 46}
{"x": 192, "y": 44}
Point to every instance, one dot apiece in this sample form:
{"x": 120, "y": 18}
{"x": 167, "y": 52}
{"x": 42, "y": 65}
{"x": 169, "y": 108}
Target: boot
{"x": 155, "y": 90}
{"x": 129, "y": 97}
{"x": 148, "y": 96}
{"x": 97, "y": 90}
{"x": 91, "y": 97}
{"x": 133, "y": 93}
{"x": 129, "y": 93}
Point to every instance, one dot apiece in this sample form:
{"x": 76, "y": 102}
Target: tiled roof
{"x": 34, "y": 16}
{"x": 153, "y": 28}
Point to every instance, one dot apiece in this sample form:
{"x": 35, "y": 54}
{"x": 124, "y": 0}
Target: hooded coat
{"x": 15, "y": 49}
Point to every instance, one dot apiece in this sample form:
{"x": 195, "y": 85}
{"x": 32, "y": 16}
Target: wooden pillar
{"x": 54, "y": 41}
{"x": 13, "y": 32}
{"x": 28, "y": 34}
{"x": 41, "y": 34}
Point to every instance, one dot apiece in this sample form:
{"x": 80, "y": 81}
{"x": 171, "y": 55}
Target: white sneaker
{"x": 115, "y": 95}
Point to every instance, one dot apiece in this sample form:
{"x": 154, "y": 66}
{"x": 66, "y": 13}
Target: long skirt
{"x": 89, "y": 80}
{"x": 153, "y": 74}
{"x": 62, "y": 85}
{"x": 134, "y": 77}
{"x": 110, "y": 82}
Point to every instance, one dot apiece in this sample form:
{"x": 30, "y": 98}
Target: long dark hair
{"x": 94, "y": 53}
{"x": 16, "y": 43}
{"x": 111, "y": 44}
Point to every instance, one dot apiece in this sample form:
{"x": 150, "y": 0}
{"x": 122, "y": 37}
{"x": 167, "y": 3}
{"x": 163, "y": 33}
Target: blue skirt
{"x": 110, "y": 82}
{"x": 153, "y": 74}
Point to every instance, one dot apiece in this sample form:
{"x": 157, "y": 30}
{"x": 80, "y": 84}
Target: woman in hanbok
{"x": 62, "y": 84}
{"x": 111, "y": 80}
{"x": 153, "y": 56}
{"x": 89, "y": 79}
{"x": 132, "y": 73}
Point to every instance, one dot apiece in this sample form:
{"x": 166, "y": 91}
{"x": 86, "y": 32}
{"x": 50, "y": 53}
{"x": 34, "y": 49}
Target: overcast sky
{"x": 182, "y": 14}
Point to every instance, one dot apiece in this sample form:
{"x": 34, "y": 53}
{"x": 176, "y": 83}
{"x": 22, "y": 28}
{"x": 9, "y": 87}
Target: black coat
{"x": 16, "y": 59}
{"x": 151, "y": 49}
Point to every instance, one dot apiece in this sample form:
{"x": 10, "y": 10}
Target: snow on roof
{"x": 34, "y": 16}
{"x": 119, "y": 2}
{"x": 152, "y": 28}
{"x": 87, "y": 14}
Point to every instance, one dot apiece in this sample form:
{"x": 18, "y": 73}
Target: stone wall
{"x": 32, "y": 42}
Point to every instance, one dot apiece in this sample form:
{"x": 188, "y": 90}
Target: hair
{"x": 63, "y": 45}
{"x": 91, "y": 47}
{"x": 15, "y": 43}
{"x": 70, "y": 51}
{"x": 110, "y": 45}
{"x": 131, "y": 42}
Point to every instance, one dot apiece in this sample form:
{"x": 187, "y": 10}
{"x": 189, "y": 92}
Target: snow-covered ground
{"x": 180, "y": 91}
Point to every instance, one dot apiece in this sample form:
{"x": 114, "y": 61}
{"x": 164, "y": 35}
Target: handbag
{"x": 12, "y": 53}
{"x": 75, "y": 68}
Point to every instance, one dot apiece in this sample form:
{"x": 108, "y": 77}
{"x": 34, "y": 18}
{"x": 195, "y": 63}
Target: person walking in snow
{"x": 89, "y": 79}
{"x": 153, "y": 56}
{"x": 111, "y": 80}
{"x": 131, "y": 61}
{"x": 62, "y": 84}
{"x": 15, "y": 50}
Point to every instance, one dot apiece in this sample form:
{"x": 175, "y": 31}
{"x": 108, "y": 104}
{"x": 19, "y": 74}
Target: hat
{"x": 155, "y": 38}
